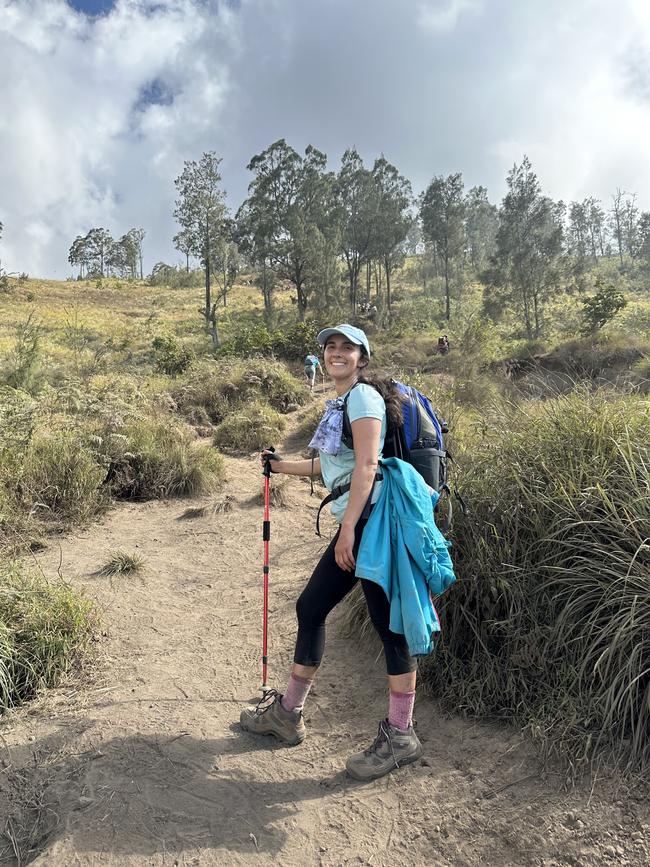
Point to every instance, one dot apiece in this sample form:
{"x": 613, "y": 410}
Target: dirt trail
{"x": 145, "y": 764}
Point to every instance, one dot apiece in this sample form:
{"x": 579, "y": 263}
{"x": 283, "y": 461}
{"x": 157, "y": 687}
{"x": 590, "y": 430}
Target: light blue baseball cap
{"x": 356, "y": 335}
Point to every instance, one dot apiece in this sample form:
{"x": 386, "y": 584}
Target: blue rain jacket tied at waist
{"x": 404, "y": 552}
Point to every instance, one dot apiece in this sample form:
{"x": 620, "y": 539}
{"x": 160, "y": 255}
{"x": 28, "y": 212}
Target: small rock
{"x": 436, "y": 828}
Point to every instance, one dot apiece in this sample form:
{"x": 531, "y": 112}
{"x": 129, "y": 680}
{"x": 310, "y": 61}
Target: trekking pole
{"x": 266, "y": 536}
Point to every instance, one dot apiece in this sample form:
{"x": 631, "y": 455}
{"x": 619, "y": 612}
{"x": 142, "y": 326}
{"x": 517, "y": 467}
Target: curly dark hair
{"x": 387, "y": 389}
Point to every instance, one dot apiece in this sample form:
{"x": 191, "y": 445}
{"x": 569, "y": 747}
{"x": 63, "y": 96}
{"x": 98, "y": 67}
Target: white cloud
{"x": 436, "y": 85}
{"x": 441, "y": 15}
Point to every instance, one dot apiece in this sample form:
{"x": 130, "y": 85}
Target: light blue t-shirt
{"x": 364, "y": 401}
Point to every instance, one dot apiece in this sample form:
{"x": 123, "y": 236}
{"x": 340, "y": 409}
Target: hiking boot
{"x": 270, "y": 718}
{"x": 391, "y": 749}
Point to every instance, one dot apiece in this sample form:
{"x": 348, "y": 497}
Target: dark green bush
{"x": 171, "y": 356}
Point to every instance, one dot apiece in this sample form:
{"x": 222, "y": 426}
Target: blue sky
{"x": 92, "y": 7}
{"x": 101, "y": 110}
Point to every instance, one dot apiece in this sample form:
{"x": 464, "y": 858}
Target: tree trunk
{"x": 214, "y": 326}
{"x": 208, "y": 299}
{"x": 388, "y": 299}
{"x": 187, "y": 262}
{"x": 447, "y": 300}
{"x": 368, "y": 282}
{"x": 141, "y": 271}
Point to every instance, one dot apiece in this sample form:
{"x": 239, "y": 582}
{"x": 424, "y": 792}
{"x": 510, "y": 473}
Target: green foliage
{"x": 44, "y": 627}
{"x": 525, "y": 268}
{"x": 288, "y": 218}
{"x": 555, "y": 556}
{"x": 291, "y": 343}
{"x": 548, "y": 625}
{"x": 249, "y": 427}
{"x": 213, "y": 390}
{"x": 601, "y": 307}
{"x": 178, "y": 278}
{"x": 61, "y": 478}
{"x": 22, "y": 366}
{"x": 172, "y": 357}
{"x": 152, "y": 458}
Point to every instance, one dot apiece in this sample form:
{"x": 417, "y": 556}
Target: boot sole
{"x": 413, "y": 757}
{"x": 289, "y": 743}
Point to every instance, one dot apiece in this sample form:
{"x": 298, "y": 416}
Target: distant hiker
{"x": 311, "y": 363}
{"x": 358, "y": 485}
{"x": 443, "y": 345}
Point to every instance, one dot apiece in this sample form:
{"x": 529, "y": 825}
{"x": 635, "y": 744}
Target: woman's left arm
{"x": 366, "y": 433}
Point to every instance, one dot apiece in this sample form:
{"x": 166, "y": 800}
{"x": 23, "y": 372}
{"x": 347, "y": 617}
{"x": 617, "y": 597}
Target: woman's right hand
{"x": 272, "y": 458}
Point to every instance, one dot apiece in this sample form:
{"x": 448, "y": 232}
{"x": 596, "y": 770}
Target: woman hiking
{"x": 311, "y": 363}
{"x": 372, "y": 405}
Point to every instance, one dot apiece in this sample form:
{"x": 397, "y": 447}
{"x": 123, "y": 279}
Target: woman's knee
{"x": 307, "y": 612}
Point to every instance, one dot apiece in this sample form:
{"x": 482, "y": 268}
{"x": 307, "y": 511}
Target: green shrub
{"x": 151, "y": 458}
{"x": 216, "y": 389}
{"x": 44, "y": 627}
{"x": 291, "y": 343}
{"x": 249, "y": 427}
{"x": 171, "y": 356}
{"x": 61, "y": 478}
{"x": 22, "y": 367}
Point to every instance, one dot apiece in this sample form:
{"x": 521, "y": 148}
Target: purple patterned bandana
{"x": 327, "y": 437}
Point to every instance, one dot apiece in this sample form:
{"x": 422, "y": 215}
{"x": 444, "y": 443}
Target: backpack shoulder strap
{"x": 346, "y": 433}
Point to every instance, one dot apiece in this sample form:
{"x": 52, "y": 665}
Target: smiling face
{"x": 343, "y": 359}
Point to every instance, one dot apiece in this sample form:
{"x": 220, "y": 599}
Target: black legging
{"x": 328, "y": 585}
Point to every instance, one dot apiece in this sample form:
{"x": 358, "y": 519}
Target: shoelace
{"x": 383, "y": 734}
{"x": 267, "y": 701}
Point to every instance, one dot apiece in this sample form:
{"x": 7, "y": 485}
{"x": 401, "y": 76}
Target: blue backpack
{"x": 418, "y": 440}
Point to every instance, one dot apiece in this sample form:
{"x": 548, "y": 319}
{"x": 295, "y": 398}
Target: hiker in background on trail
{"x": 372, "y": 406}
{"x": 443, "y": 345}
{"x": 311, "y": 363}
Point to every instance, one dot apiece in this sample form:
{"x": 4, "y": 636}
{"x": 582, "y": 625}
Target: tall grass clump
{"x": 213, "y": 390}
{"x": 249, "y": 428}
{"x": 151, "y": 458}
{"x": 61, "y": 478}
{"x": 44, "y": 627}
{"x": 549, "y": 623}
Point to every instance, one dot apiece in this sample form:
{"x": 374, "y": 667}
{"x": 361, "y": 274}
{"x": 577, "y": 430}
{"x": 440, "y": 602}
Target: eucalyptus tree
{"x": 442, "y": 211}
{"x": 202, "y": 215}
{"x": 183, "y": 243}
{"x": 285, "y": 219}
{"x": 392, "y": 220}
{"x": 78, "y": 254}
{"x": 98, "y": 244}
{"x": 526, "y": 266}
{"x": 481, "y": 224}
{"x": 357, "y": 197}
{"x": 136, "y": 237}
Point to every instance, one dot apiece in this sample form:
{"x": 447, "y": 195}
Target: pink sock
{"x": 400, "y": 709}
{"x": 296, "y": 692}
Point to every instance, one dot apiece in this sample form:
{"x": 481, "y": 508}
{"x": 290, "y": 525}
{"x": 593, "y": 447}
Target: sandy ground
{"x": 142, "y": 761}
